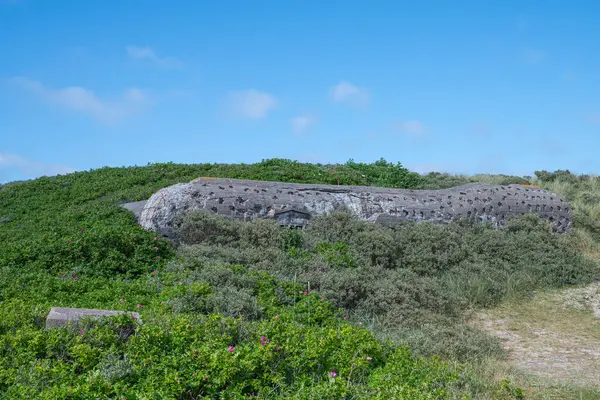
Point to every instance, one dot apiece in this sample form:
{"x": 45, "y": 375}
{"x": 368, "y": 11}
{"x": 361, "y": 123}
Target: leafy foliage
{"x": 558, "y": 175}
{"x": 344, "y": 309}
{"x": 216, "y": 323}
{"x": 405, "y": 278}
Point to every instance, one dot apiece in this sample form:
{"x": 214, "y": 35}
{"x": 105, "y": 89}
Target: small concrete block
{"x": 65, "y": 316}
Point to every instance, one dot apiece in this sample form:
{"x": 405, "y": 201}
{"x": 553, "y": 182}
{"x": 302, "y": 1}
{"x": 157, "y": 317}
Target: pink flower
{"x": 139, "y": 306}
{"x": 345, "y": 318}
{"x": 155, "y": 238}
{"x": 262, "y": 343}
{"x": 156, "y": 249}
{"x": 180, "y": 283}
{"x": 121, "y": 300}
{"x": 154, "y": 272}
{"x": 360, "y": 323}
{"x": 369, "y": 358}
{"x": 262, "y": 338}
{"x": 81, "y": 331}
{"x": 157, "y": 256}
{"x": 277, "y": 316}
{"x": 333, "y": 373}
{"x": 305, "y": 292}
{"x": 75, "y": 278}
{"x": 69, "y": 241}
{"x": 231, "y": 349}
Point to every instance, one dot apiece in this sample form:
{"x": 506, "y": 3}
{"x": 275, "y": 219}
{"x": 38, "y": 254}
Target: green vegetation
{"x": 343, "y": 309}
{"x": 583, "y": 191}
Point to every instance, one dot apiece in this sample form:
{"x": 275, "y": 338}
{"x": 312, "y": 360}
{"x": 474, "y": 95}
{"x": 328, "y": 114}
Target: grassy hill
{"x": 343, "y": 309}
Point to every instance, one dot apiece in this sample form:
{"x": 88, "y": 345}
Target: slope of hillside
{"x": 344, "y": 309}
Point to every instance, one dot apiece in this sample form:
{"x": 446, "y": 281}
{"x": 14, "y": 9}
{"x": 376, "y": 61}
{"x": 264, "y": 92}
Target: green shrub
{"x": 66, "y": 242}
{"x": 294, "y": 348}
{"x": 261, "y": 233}
{"x": 202, "y": 227}
{"x": 116, "y": 368}
{"x": 437, "y": 180}
{"x": 558, "y": 175}
{"x": 386, "y": 174}
{"x": 336, "y": 254}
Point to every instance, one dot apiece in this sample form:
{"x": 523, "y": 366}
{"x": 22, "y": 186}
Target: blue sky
{"x": 462, "y": 86}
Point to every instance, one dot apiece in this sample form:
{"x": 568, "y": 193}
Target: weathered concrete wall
{"x": 295, "y": 204}
{"x": 68, "y": 316}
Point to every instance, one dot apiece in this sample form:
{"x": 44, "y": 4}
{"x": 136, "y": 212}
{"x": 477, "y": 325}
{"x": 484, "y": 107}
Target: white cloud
{"x": 146, "y": 53}
{"x": 413, "y": 127}
{"x": 346, "y": 92}
{"x": 78, "y": 99}
{"x": 301, "y": 123}
{"x": 29, "y": 168}
{"x": 251, "y": 103}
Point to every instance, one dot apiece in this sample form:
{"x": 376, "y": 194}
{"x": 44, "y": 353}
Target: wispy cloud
{"x": 146, "y": 53}
{"x": 346, "y": 92}
{"x": 79, "y": 99}
{"x": 251, "y": 103}
{"x": 30, "y": 168}
{"x": 302, "y": 123}
{"x": 413, "y": 128}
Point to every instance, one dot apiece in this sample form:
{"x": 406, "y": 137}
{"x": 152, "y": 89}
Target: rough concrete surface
{"x": 295, "y": 204}
{"x": 66, "y": 316}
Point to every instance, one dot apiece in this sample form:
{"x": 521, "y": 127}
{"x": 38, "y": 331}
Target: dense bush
{"x": 405, "y": 277}
{"x": 65, "y": 242}
{"x": 437, "y": 180}
{"x": 583, "y": 191}
{"x": 298, "y": 347}
{"x": 386, "y": 174}
{"x": 558, "y": 175}
{"x": 343, "y": 309}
